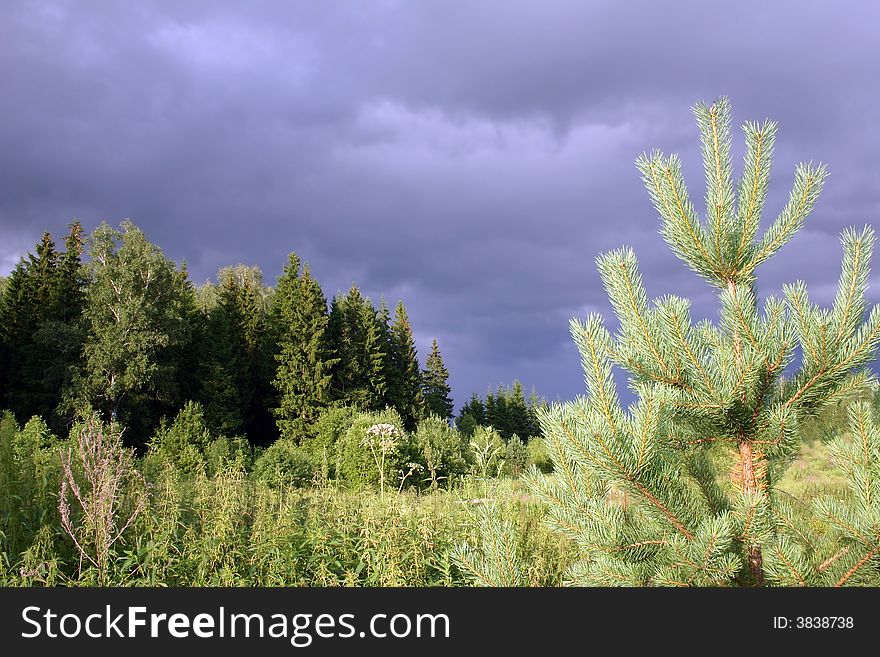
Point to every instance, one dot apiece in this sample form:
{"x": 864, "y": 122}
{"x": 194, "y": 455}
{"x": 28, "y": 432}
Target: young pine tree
{"x": 435, "y": 388}
{"x": 302, "y": 379}
{"x": 680, "y": 488}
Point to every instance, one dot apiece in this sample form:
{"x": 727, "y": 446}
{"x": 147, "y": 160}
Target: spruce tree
{"x": 62, "y": 334}
{"x": 404, "y": 377}
{"x": 26, "y": 306}
{"x": 435, "y": 389}
{"x": 680, "y": 488}
{"x": 238, "y": 392}
{"x": 42, "y": 328}
{"x": 475, "y": 408}
{"x": 358, "y": 342}
{"x": 346, "y": 338}
{"x": 302, "y": 379}
{"x": 221, "y": 362}
{"x": 188, "y": 353}
{"x": 375, "y": 353}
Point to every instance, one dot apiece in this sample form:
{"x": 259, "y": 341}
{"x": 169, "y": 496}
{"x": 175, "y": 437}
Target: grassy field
{"x": 231, "y": 528}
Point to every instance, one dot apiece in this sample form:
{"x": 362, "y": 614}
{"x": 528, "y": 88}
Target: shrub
{"x": 441, "y": 450}
{"x": 185, "y": 442}
{"x": 355, "y": 463}
{"x": 467, "y": 425}
{"x": 516, "y": 457}
{"x": 29, "y": 476}
{"x": 539, "y": 456}
{"x": 329, "y": 429}
{"x": 487, "y": 452}
{"x": 284, "y": 463}
{"x": 225, "y": 452}
{"x": 101, "y": 492}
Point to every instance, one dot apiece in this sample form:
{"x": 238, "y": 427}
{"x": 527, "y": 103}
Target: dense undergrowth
{"x": 211, "y": 514}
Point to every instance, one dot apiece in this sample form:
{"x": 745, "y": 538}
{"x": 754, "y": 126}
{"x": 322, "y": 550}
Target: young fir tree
{"x": 302, "y": 379}
{"x": 404, "y": 376}
{"x": 680, "y": 488}
{"x": 435, "y": 388}
{"x": 188, "y": 353}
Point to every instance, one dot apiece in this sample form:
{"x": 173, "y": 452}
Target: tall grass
{"x": 234, "y": 529}
{"x": 230, "y": 527}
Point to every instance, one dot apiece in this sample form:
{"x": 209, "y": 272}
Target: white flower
{"x": 384, "y": 436}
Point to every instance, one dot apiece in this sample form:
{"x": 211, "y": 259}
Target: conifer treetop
{"x": 724, "y": 248}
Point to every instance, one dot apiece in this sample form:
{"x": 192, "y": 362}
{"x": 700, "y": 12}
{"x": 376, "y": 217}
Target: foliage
{"x": 516, "y": 457}
{"x": 329, "y": 429}
{"x": 854, "y": 522}
{"x": 237, "y": 387}
{"x": 466, "y": 425}
{"x": 487, "y": 452}
{"x": 506, "y": 409}
{"x": 539, "y": 456}
{"x": 284, "y": 463}
{"x": 135, "y": 318}
{"x": 29, "y": 476}
{"x": 224, "y": 453}
{"x": 358, "y": 338}
{"x": 509, "y": 543}
{"x": 475, "y": 409}
{"x": 404, "y": 377}
{"x": 441, "y": 449}
{"x": 494, "y": 561}
{"x": 41, "y": 328}
{"x": 185, "y": 442}
{"x": 355, "y": 461}
{"x": 235, "y": 529}
{"x": 101, "y": 493}
{"x": 129, "y": 335}
{"x": 383, "y": 440}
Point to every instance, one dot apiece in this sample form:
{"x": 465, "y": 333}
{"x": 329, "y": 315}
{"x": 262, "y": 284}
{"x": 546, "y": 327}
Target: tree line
{"x": 109, "y": 324}
{"x": 506, "y": 410}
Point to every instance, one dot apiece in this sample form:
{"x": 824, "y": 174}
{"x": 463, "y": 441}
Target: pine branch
{"x": 852, "y": 571}
{"x": 714, "y": 123}
{"x": 808, "y": 184}
{"x": 681, "y": 228}
{"x": 753, "y": 188}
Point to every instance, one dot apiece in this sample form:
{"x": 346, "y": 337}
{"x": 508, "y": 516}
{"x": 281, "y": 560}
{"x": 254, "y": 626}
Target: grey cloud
{"x": 472, "y": 159}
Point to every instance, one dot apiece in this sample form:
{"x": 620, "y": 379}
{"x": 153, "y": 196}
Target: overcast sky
{"x": 471, "y": 158}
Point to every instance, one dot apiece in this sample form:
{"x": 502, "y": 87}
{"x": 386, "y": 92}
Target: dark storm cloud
{"x": 470, "y": 158}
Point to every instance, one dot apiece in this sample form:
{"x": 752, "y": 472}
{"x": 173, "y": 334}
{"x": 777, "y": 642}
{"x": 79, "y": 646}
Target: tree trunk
{"x": 749, "y": 475}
